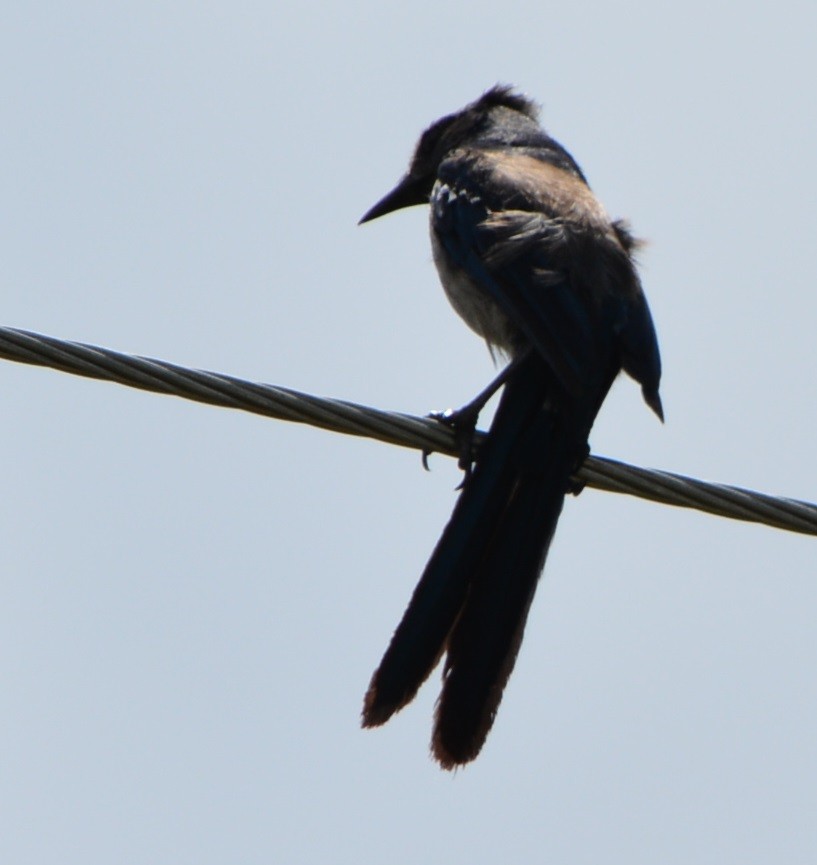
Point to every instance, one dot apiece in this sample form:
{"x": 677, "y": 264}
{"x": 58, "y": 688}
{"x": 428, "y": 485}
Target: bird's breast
{"x": 472, "y": 303}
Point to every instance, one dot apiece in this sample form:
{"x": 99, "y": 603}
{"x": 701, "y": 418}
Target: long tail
{"x": 473, "y": 598}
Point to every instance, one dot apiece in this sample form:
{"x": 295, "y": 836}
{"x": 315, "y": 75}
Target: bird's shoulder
{"x": 534, "y": 180}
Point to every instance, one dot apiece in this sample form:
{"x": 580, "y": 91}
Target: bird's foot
{"x": 574, "y": 484}
{"x": 463, "y": 423}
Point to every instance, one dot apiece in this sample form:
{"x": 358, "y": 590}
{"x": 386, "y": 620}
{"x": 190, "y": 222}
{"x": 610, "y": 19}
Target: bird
{"x": 530, "y": 260}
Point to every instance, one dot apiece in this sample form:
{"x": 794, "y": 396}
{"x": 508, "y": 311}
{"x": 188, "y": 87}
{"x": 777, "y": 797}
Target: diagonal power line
{"x": 392, "y": 427}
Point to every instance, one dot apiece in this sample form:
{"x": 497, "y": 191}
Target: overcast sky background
{"x": 193, "y": 599}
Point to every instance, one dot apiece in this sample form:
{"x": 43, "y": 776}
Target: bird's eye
{"x": 430, "y": 141}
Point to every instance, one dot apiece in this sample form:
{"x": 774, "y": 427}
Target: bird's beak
{"x": 408, "y": 192}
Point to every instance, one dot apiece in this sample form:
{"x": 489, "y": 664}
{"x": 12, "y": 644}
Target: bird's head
{"x": 500, "y": 116}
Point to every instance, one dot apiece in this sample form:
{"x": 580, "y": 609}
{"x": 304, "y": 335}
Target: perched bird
{"x": 532, "y": 263}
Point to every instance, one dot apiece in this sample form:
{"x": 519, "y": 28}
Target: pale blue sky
{"x": 193, "y": 599}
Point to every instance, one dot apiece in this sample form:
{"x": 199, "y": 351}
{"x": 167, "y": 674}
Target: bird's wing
{"x": 539, "y": 244}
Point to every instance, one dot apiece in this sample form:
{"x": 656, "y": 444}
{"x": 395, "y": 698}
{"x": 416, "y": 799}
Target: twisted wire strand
{"x": 391, "y": 427}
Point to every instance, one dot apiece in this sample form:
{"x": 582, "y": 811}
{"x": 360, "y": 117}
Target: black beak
{"x": 408, "y": 192}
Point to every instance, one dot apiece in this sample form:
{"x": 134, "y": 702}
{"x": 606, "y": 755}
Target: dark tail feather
{"x": 482, "y": 648}
{"x": 438, "y": 598}
{"x": 474, "y": 595}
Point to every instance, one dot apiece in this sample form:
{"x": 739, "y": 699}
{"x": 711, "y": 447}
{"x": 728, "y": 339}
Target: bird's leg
{"x": 463, "y": 421}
